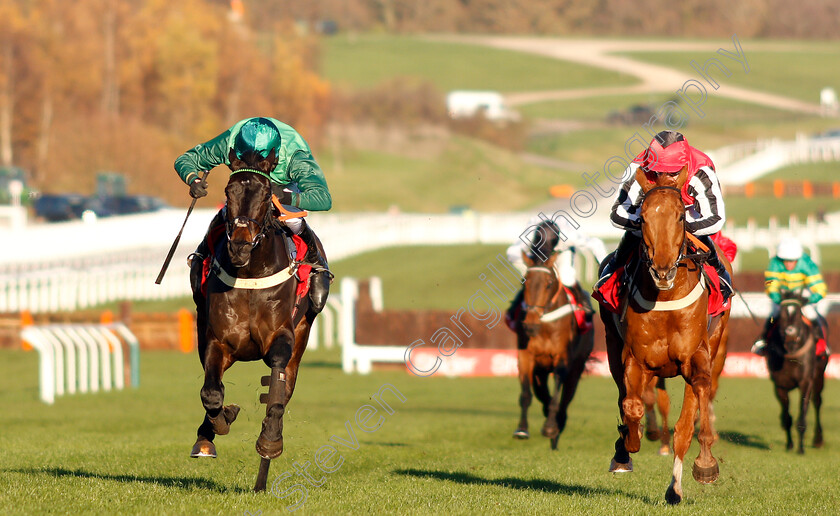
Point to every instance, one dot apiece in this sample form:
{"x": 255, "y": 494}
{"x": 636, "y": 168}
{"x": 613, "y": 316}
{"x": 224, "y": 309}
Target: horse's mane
{"x": 542, "y": 248}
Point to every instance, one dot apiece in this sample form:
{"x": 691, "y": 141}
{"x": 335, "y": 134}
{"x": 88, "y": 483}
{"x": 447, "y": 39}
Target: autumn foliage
{"x": 127, "y": 85}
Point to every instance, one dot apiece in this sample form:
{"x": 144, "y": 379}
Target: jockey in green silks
{"x": 792, "y": 269}
{"x": 296, "y": 180}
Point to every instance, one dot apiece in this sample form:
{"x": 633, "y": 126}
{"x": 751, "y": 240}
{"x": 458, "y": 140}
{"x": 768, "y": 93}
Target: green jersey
{"x": 295, "y": 166}
{"x": 804, "y": 275}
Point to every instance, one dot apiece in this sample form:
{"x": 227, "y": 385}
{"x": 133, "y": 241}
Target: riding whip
{"x": 748, "y": 308}
{"x": 178, "y": 238}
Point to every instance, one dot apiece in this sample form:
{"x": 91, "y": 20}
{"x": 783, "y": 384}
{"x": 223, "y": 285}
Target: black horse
{"x": 252, "y": 310}
{"x": 793, "y": 363}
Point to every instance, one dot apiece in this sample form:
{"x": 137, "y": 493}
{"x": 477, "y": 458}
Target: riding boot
{"x": 320, "y": 277}
{"x": 629, "y": 243}
{"x": 513, "y": 316}
{"x": 820, "y": 333}
{"x": 714, "y": 261}
{"x": 760, "y": 345}
{"x": 582, "y": 299}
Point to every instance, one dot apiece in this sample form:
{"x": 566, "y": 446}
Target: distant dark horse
{"x": 251, "y": 312}
{"x": 548, "y": 342}
{"x": 793, "y": 363}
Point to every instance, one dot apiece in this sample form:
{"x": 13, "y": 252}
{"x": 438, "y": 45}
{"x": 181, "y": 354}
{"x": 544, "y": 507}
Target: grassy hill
{"x": 362, "y": 61}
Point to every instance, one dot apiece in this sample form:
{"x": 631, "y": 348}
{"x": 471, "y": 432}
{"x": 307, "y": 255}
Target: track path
{"x": 654, "y": 78}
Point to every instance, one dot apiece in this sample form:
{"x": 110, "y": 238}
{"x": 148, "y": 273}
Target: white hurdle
{"x": 83, "y": 357}
{"x": 355, "y": 356}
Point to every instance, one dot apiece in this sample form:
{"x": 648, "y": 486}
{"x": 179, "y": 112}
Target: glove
{"x": 283, "y": 195}
{"x": 198, "y": 188}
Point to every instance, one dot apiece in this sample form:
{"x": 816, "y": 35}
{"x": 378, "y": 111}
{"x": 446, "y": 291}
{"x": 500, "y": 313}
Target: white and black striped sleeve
{"x": 627, "y": 207}
{"x": 708, "y": 214}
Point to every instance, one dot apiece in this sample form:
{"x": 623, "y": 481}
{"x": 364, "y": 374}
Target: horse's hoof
{"x": 269, "y": 449}
{"x": 554, "y": 442}
{"x": 672, "y": 497}
{"x": 521, "y": 434}
{"x": 618, "y": 467}
{"x": 664, "y": 450}
{"x": 550, "y": 431}
{"x": 707, "y": 474}
{"x": 221, "y": 423}
{"x": 203, "y": 448}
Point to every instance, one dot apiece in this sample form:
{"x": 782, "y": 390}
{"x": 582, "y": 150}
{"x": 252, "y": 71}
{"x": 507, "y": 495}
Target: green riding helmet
{"x": 257, "y": 135}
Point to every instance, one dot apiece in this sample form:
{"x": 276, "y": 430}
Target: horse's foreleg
{"x": 551, "y": 428}
{"x": 804, "y": 401}
{"x": 270, "y": 441}
{"x": 683, "y": 432}
{"x": 819, "y": 381}
{"x": 706, "y": 468}
{"x": 787, "y": 421}
{"x": 635, "y": 380}
{"x": 217, "y": 417}
{"x": 526, "y": 370}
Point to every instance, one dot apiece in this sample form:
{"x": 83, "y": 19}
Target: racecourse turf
{"x": 446, "y": 450}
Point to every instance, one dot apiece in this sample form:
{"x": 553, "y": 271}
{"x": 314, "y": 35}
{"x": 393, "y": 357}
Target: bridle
{"x": 247, "y": 222}
{"x": 794, "y": 336}
{"x": 539, "y": 268}
{"x": 680, "y": 261}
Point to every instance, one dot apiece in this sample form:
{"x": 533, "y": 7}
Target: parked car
{"x": 60, "y": 207}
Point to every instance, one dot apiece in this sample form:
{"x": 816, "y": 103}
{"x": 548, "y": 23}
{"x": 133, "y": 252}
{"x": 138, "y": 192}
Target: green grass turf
{"x": 446, "y": 450}
{"x": 367, "y": 60}
{"x": 800, "y": 72}
{"x": 463, "y": 172}
{"x": 827, "y": 172}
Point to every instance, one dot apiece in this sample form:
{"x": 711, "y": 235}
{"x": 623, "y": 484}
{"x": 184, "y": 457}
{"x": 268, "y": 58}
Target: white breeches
{"x": 564, "y": 264}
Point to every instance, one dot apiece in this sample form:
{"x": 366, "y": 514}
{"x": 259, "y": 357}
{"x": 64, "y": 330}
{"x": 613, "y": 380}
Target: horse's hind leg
{"x": 526, "y": 369}
{"x": 663, "y": 402}
{"x": 551, "y": 428}
{"x": 801, "y": 422}
{"x": 649, "y": 399}
{"x": 683, "y": 432}
{"x": 217, "y": 417}
{"x": 270, "y": 442}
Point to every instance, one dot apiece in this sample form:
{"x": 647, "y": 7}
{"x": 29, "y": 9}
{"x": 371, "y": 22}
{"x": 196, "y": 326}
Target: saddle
{"x": 613, "y": 294}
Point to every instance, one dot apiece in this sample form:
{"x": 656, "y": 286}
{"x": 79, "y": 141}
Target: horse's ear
{"x": 682, "y": 177}
{"x": 643, "y": 181}
{"x": 270, "y": 163}
{"x": 235, "y": 163}
{"x": 527, "y": 259}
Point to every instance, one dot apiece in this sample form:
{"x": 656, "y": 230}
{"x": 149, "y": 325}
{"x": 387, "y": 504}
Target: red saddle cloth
{"x": 214, "y": 240}
{"x": 609, "y": 293}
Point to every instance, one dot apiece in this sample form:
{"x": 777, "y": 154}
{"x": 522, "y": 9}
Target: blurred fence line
{"x": 70, "y": 266}
{"x": 744, "y": 162}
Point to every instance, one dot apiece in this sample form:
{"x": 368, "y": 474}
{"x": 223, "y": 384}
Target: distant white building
{"x": 464, "y": 104}
{"x": 828, "y": 101}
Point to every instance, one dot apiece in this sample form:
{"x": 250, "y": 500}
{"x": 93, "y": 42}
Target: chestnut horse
{"x": 793, "y": 363}
{"x": 665, "y": 332}
{"x": 251, "y": 312}
{"x": 548, "y": 343}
